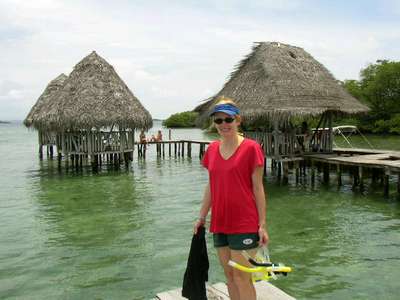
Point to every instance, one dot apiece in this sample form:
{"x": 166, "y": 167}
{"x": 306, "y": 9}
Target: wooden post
{"x": 163, "y": 149}
{"x": 189, "y": 149}
{"x": 386, "y": 185}
{"x": 183, "y": 149}
{"x": 273, "y": 165}
{"x": 175, "y": 149}
{"x": 374, "y": 176}
{"x": 326, "y": 173}
{"x": 339, "y": 174}
{"x": 265, "y": 166}
{"x": 361, "y": 174}
{"x": 312, "y": 172}
{"x": 40, "y": 152}
{"x": 59, "y": 158}
{"x": 285, "y": 166}
{"x": 297, "y": 171}
{"x": 398, "y": 185}
{"x": 279, "y": 167}
{"x": 51, "y": 152}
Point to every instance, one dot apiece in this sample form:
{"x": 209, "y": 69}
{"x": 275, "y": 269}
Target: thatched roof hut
{"x": 278, "y": 81}
{"x": 45, "y": 99}
{"x": 93, "y": 96}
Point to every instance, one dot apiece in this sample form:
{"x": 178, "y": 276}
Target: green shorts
{"x": 237, "y": 241}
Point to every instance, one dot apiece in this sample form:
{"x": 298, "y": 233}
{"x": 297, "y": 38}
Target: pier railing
{"x": 278, "y": 144}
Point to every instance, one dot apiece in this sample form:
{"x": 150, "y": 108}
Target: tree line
{"x": 378, "y": 88}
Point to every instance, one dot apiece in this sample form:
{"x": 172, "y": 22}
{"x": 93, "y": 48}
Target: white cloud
{"x": 172, "y": 55}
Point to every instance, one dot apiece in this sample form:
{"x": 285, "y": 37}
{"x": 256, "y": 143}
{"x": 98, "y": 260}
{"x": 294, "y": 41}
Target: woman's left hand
{"x": 263, "y": 236}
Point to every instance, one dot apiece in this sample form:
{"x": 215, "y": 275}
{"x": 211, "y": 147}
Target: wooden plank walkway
{"x": 219, "y": 291}
{"x": 387, "y": 160}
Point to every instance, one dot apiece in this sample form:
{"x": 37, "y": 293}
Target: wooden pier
{"x": 116, "y": 155}
{"x": 219, "y": 291}
{"x": 176, "y": 148}
{"x": 361, "y": 164}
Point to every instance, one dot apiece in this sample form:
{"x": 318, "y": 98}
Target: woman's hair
{"x": 225, "y": 100}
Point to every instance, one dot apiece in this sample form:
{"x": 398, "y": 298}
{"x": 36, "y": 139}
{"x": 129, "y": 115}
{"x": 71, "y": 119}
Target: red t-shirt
{"x": 233, "y": 206}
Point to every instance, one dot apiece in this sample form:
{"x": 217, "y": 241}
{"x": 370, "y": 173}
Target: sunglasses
{"x": 226, "y": 120}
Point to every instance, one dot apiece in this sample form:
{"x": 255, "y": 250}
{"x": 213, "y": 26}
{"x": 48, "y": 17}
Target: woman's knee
{"x": 241, "y": 278}
{"x": 228, "y": 270}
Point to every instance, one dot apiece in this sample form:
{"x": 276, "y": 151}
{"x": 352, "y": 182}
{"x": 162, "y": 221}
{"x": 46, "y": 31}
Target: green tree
{"x": 380, "y": 84}
{"x": 379, "y": 88}
{"x": 354, "y": 88}
{"x": 184, "y": 120}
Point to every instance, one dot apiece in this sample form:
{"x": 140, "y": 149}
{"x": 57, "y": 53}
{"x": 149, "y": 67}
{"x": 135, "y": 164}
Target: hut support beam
{"x": 339, "y": 175}
{"x": 398, "y": 185}
{"x": 312, "y": 172}
{"x": 285, "y": 167}
{"x": 361, "y": 174}
{"x": 326, "y": 173}
{"x": 386, "y": 185}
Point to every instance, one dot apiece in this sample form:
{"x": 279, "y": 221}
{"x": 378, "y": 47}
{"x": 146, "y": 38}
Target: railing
{"x": 285, "y": 144}
{"x": 92, "y": 142}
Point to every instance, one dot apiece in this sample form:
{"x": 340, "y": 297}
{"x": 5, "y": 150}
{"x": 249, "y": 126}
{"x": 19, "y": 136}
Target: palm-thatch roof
{"x": 203, "y": 105}
{"x": 94, "y": 96}
{"x": 45, "y": 99}
{"x": 280, "y": 81}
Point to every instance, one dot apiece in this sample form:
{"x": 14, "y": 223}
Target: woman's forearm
{"x": 259, "y": 195}
{"x": 206, "y": 203}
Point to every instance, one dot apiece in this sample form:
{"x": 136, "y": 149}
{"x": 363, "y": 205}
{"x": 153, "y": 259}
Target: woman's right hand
{"x": 200, "y": 222}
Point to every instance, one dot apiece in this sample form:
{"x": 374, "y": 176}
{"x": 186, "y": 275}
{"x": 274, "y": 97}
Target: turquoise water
{"x": 126, "y": 234}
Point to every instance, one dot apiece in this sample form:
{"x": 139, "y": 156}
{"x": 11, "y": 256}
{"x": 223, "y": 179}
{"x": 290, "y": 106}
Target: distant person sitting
{"x": 153, "y": 138}
{"x": 142, "y": 137}
{"x": 159, "y": 136}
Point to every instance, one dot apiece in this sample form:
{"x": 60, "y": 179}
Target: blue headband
{"x": 228, "y": 109}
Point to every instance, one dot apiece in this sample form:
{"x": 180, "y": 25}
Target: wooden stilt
{"x": 386, "y": 186}
{"x": 285, "y": 167}
{"x": 354, "y": 173}
{"x": 265, "y": 167}
{"x": 279, "y": 169}
{"x": 40, "y": 152}
{"x": 339, "y": 175}
{"x": 189, "y": 149}
{"x": 59, "y": 158}
{"x": 312, "y": 172}
{"x": 51, "y": 151}
{"x": 398, "y": 185}
{"x": 326, "y": 168}
{"x": 175, "y": 148}
{"x": 361, "y": 174}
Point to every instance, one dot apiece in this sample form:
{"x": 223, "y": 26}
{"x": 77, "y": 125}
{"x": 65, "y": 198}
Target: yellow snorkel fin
{"x": 262, "y": 270}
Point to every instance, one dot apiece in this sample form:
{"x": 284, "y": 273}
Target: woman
{"x": 235, "y": 194}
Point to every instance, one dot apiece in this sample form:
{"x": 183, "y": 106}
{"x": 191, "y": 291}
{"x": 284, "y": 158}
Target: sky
{"x": 174, "y": 54}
